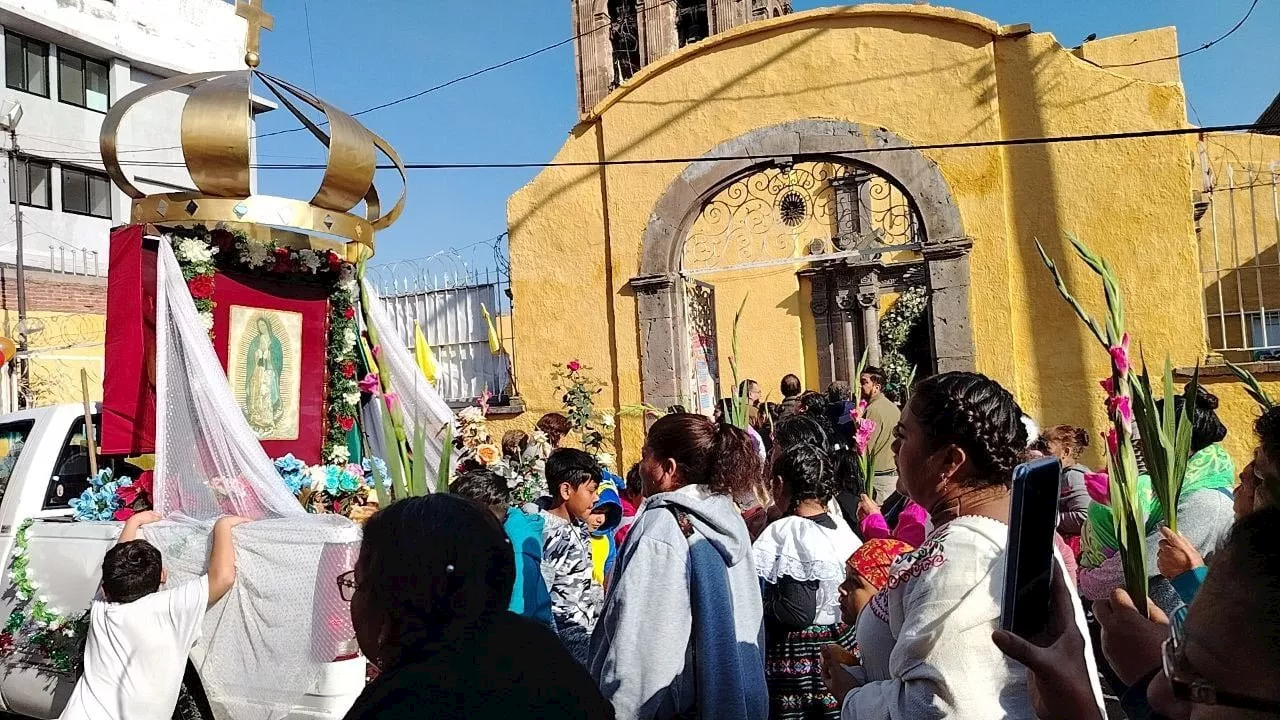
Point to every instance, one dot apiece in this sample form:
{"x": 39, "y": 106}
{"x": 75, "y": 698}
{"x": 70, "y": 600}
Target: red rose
{"x": 335, "y": 262}
{"x": 349, "y": 313}
{"x": 348, "y": 369}
{"x": 346, "y": 423}
{"x": 283, "y": 261}
{"x": 201, "y": 287}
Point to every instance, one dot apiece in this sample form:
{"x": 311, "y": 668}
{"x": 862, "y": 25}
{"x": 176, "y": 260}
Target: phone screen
{"x": 1033, "y": 519}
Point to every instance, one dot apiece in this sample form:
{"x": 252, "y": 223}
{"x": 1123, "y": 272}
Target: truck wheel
{"x": 193, "y": 704}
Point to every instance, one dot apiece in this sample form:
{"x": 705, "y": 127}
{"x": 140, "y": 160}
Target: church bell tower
{"x": 615, "y": 38}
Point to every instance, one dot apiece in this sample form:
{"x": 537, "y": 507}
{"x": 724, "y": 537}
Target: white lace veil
{"x": 267, "y": 641}
{"x": 419, "y": 402}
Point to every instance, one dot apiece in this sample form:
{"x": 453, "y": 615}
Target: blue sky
{"x": 371, "y": 51}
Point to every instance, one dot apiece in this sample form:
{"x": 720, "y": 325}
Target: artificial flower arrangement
{"x": 111, "y": 498}
{"x": 1131, "y": 402}
{"x": 578, "y": 391}
{"x": 524, "y": 473}
{"x": 349, "y": 490}
{"x": 41, "y": 629}
{"x": 201, "y": 253}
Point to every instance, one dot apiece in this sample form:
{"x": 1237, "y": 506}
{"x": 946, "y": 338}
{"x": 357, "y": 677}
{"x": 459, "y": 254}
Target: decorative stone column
{"x": 869, "y": 302}
{"x": 847, "y": 302}
{"x": 663, "y": 358}
{"x": 948, "y": 266}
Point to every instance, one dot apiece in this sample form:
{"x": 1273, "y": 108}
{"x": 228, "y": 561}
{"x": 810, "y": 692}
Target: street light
{"x": 10, "y": 116}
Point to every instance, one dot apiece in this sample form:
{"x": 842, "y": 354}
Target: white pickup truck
{"x": 44, "y": 463}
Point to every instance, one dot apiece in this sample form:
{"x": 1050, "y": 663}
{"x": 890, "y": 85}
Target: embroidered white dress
{"x": 925, "y": 639}
{"x": 803, "y": 550}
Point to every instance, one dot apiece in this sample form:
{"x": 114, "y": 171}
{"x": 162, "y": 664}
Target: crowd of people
{"x": 759, "y": 572}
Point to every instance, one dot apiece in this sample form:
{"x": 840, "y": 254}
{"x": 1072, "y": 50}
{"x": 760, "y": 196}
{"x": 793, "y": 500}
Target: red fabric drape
{"x": 128, "y": 382}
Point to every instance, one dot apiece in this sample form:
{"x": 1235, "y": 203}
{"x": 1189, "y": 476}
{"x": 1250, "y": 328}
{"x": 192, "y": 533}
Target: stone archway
{"x": 659, "y": 303}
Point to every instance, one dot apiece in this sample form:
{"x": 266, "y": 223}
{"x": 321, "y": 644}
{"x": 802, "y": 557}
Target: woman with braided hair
{"x": 801, "y": 560}
{"x": 925, "y": 641}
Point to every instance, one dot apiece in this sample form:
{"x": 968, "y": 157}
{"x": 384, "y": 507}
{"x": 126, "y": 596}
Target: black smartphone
{"x": 1033, "y": 518}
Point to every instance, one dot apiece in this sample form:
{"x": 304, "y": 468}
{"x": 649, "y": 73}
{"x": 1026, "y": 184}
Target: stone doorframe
{"x": 664, "y": 362}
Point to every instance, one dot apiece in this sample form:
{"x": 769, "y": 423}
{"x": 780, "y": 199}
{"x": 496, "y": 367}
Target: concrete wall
{"x": 930, "y": 75}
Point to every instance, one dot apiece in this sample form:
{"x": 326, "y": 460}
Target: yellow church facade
{"x": 813, "y": 168}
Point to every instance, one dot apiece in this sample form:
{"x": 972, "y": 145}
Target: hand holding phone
{"x": 1033, "y": 519}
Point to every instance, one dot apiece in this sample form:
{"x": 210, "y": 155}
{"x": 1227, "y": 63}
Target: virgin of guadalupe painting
{"x": 263, "y": 366}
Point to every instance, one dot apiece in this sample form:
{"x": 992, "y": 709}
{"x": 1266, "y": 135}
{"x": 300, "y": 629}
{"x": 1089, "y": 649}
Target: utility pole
{"x": 20, "y": 361}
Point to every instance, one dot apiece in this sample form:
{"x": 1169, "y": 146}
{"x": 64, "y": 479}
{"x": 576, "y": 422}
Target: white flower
{"x": 42, "y": 598}
{"x": 309, "y": 259}
{"x": 348, "y": 340}
{"x": 206, "y": 319}
{"x": 255, "y": 253}
{"x": 318, "y": 476}
{"x": 195, "y": 251}
{"x": 19, "y": 550}
{"x": 347, "y": 278}
{"x": 606, "y": 421}
{"x": 352, "y": 398}
{"x": 23, "y": 595}
{"x": 605, "y": 459}
{"x": 68, "y": 631}
{"x": 35, "y": 586}
{"x": 339, "y": 455}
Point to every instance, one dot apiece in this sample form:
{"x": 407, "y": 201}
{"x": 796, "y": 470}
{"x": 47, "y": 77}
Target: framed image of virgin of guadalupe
{"x": 264, "y": 363}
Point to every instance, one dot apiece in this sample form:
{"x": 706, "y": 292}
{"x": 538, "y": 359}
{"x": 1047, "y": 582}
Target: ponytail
{"x": 736, "y": 469}
{"x": 722, "y": 457}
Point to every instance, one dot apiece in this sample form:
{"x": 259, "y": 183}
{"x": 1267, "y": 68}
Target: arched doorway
{"x": 857, "y": 211}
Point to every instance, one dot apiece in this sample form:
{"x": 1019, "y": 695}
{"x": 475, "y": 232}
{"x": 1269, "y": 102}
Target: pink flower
{"x": 124, "y": 513}
{"x": 370, "y": 384}
{"x": 574, "y": 366}
{"x": 1109, "y": 385}
{"x": 377, "y": 352}
{"x": 1113, "y": 443}
{"x": 391, "y": 399}
{"x": 1099, "y": 486}
{"x": 866, "y": 428}
{"x": 1120, "y": 355}
{"x": 1120, "y": 408}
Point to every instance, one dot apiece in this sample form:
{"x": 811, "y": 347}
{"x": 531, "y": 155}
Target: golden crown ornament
{"x": 217, "y": 132}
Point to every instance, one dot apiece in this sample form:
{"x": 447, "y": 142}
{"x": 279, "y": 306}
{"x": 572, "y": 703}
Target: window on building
{"x": 624, "y": 37}
{"x": 26, "y": 64}
{"x": 692, "y": 23}
{"x": 86, "y": 192}
{"x": 83, "y": 81}
{"x": 32, "y": 186}
{"x": 1239, "y": 238}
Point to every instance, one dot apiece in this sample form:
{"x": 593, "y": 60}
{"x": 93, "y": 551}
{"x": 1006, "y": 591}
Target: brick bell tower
{"x": 615, "y": 38}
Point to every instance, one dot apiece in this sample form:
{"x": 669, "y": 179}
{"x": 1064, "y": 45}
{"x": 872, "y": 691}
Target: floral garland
{"x": 202, "y": 253}
{"x": 895, "y": 329}
{"x": 108, "y": 498}
{"x": 45, "y": 629}
{"x": 579, "y": 390}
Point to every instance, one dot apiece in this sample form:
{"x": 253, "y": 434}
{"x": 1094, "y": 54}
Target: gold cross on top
{"x": 259, "y": 20}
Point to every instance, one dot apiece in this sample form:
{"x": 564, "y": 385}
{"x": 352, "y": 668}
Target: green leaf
{"x": 418, "y": 483}
{"x": 393, "y": 456}
{"x": 1058, "y": 282}
{"x": 1251, "y": 385}
{"x": 446, "y": 460}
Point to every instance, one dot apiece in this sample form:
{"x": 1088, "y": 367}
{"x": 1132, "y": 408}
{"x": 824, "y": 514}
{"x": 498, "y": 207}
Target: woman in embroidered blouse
{"x": 925, "y": 641}
{"x": 801, "y": 559}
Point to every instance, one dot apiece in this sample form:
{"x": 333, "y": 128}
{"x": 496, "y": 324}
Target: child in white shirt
{"x": 140, "y": 635}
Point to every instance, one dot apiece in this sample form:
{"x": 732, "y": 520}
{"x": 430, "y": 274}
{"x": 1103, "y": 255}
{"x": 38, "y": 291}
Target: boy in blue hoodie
{"x": 604, "y": 520}
{"x": 529, "y": 596}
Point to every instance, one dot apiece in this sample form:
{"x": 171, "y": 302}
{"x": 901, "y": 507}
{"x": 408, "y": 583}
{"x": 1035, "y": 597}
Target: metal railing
{"x": 447, "y": 294}
{"x": 1240, "y": 264}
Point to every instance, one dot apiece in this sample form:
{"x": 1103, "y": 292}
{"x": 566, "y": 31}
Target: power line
{"x": 1179, "y": 56}
{"x": 1010, "y": 142}
{"x": 474, "y": 74}
{"x": 311, "y": 51}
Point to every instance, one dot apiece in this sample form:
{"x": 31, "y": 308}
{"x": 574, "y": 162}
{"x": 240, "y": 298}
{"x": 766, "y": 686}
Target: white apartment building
{"x": 65, "y": 62}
